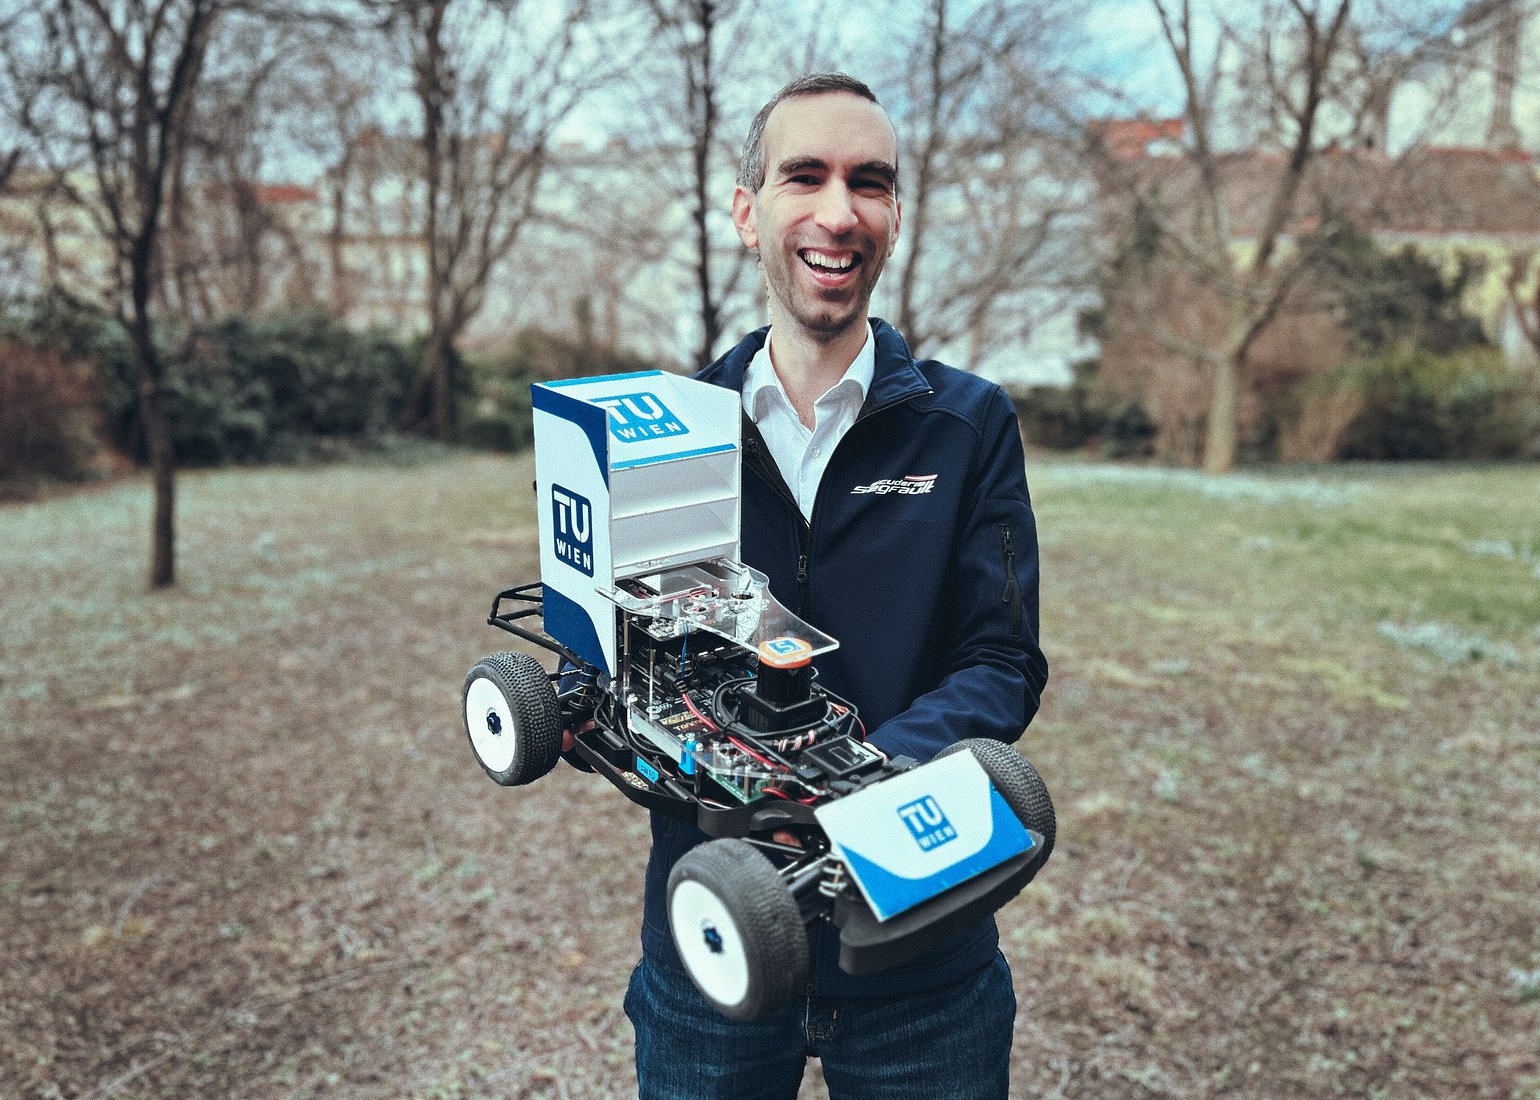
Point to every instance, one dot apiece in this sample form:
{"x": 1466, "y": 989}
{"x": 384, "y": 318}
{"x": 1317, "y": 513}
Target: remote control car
{"x": 693, "y": 691}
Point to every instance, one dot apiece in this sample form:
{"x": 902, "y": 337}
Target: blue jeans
{"x": 951, "y": 1043}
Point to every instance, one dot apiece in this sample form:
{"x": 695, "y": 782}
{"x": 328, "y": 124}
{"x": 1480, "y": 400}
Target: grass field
{"x": 1293, "y": 731}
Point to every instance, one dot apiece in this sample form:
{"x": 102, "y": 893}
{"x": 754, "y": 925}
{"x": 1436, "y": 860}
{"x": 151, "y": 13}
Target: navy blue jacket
{"x": 921, "y": 559}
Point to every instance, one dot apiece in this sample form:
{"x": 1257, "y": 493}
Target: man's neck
{"x": 808, "y": 367}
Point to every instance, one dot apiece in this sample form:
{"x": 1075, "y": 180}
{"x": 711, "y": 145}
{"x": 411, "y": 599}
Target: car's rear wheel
{"x": 738, "y": 929}
{"x": 512, "y": 718}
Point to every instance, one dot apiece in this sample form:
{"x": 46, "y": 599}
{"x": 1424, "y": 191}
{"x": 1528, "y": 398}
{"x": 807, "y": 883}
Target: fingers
{"x": 569, "y": 737}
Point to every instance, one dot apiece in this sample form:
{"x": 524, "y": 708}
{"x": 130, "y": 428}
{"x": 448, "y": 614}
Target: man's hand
{"x": 569, "y": 737}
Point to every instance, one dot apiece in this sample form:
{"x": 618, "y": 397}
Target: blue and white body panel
{"x": 633, "y": 473}
{"x": 910, "y": 837}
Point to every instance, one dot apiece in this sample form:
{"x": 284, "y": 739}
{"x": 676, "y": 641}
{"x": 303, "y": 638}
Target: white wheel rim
{"x": 486, "y": 706}
{"x": 709, "y": 942}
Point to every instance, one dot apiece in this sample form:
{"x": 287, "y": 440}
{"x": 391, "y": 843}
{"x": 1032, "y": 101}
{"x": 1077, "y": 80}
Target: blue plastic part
{"x": 590, "y": 419}
{"x": 647, "y": 770}
{"x": 687, "y": 761}
{"x": 569, "y": 624}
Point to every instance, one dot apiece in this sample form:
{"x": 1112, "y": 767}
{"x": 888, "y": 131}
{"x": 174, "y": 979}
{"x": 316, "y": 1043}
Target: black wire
{"x": 727, "y": 719}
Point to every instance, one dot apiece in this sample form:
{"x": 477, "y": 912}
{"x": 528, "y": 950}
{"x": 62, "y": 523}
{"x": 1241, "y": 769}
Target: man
{"x": 887, "y": 502}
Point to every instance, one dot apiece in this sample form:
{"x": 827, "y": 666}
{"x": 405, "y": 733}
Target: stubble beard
{"x": 823, "y": 321}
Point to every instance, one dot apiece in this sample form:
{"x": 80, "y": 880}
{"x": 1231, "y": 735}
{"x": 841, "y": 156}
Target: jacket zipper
{"x": 806, "y": 545}
{"x": 1012, "y": 593}
{"x": 761, "y": 458}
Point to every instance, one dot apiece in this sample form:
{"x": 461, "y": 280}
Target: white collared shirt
{"x": 800, "y": 454}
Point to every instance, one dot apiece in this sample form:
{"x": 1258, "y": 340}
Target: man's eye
{"x": 875, "y": 184}
{"x": 803, "y": 181}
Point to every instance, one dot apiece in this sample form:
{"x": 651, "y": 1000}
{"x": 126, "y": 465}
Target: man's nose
{"x": 835, "y": 212}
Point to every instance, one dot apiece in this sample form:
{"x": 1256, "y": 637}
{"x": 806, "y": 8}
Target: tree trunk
{"x": 157, "y": 436}
{"x": 341, "y": 297}
{"x": 443, "y": 420}
{"x": 710, "y": 308}
{"x": 919, "y": 203}
{"x": 433, "y": 89}
{"x": 1221, "y": 436}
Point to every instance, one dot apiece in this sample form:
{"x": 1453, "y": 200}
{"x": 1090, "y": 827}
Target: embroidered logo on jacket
{"x": 912, "y": 485}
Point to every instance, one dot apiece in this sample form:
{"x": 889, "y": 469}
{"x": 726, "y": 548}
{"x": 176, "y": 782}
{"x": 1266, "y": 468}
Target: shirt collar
{"x": 761, "y": 384}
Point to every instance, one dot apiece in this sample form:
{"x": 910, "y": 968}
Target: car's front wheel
{"x": 738, "y": 929}
{"x": 1018, "y": 783}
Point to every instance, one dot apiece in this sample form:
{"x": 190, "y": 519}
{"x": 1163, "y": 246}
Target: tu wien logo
{"x": 927, "y": 823}
{"x": 635, "y": 417}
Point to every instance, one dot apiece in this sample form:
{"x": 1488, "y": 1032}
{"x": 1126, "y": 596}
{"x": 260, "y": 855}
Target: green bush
{"x": 47, "y": 410}
{"x": 1387, "y": 299}
{"x": 1130, "y": 433}
{"x": 264, "y": 390}
{"x": 1056, "y": 417}
{"x": 270, "y": 389}
{"x": 1068, "y": 418}
{"x": 84, "y": 335}
{"x": 1411, "y": 404}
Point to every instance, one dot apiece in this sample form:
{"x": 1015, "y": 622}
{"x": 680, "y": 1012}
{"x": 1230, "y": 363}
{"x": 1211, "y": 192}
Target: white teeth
{"x": 823, "y": 259}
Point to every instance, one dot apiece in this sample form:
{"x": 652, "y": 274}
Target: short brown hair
{"x": 751, "y": 167}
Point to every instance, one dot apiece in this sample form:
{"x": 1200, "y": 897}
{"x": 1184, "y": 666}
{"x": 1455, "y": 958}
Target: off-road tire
{"x": 738, "y": 929}
{"x": 512, "y": 718}
{"x": 1018, "y": 783}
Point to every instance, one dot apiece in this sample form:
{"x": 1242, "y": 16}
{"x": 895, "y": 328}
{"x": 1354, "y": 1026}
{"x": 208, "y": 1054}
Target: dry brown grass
{"x": 245, "y": 852}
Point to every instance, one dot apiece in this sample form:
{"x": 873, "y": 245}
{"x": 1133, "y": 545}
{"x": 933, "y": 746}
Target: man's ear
{"x": 898, "y": 219}
{"x": 743, "y": 218}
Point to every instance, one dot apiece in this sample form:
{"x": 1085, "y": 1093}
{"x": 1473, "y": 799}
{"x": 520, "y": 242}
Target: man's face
{"x": 826, "y": 218}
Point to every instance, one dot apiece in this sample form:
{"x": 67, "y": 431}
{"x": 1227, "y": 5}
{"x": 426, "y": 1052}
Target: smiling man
{"x": 886, "y": 499}
{"x": 823, "y": 217}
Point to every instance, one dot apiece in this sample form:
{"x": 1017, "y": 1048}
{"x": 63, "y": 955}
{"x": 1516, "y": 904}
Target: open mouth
{"x": 830, "y": 265}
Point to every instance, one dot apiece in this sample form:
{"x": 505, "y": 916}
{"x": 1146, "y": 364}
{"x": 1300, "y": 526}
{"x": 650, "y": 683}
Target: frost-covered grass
{"x": 1449, "y": 644}
{"x": 1377, "y": 544}
{"x": 1243, "y": 487}
{"x": 256, "y": 550}
{"x": 1292, "y": 731}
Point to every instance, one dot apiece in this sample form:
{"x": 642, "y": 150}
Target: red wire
{"x": 710, "y": 725}
{"x": 751, "y": 752}
{"x": 846, "y": 710}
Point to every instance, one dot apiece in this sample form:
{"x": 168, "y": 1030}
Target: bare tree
{"x": 12, "y": 109}
{"x": 223, "y": 245}
{"x": 116, "y": 88}
{"x": 338, "y": 103}
{"x": 1312, "y": 79}
{"x": 1523, "y": 291}
{"x": 691, "y": 34}
{"x": 9, "y": 159}
{"x": 16, "y": 93}
{"x": 492, "y": 79}
{"x": 615, "y": 262}
{"x": 992, "y": 188}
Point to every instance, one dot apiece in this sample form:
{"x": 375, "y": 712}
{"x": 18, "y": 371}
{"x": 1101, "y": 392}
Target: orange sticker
{"x": 785, "y": 652}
